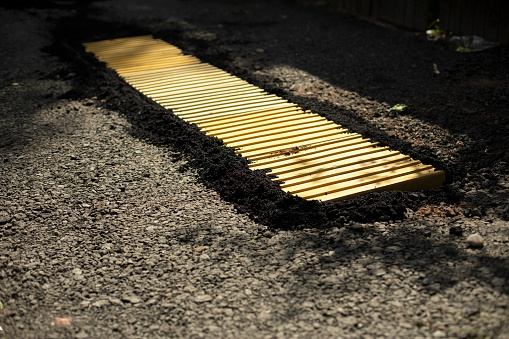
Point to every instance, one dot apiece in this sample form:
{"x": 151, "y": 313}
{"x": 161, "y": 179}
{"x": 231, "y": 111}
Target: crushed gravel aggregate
{"x": 113, "y": 227}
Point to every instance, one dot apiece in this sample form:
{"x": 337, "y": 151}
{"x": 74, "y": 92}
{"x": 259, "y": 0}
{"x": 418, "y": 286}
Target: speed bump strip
{"x": 309, "y": 155}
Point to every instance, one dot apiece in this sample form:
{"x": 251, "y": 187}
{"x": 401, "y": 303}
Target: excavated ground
{"x": 120, "y": 220}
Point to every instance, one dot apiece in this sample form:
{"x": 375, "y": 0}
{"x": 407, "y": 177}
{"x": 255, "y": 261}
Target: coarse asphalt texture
{"x": 119, "y": 220}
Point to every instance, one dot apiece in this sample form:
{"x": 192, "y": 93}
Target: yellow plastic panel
{"x": 310, "y": 156}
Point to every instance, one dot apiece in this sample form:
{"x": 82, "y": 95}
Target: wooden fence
{"x": 488, "y": 19}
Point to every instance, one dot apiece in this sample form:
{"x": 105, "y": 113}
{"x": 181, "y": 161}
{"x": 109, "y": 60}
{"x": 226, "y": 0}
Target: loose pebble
{"x": 475, "y": 240}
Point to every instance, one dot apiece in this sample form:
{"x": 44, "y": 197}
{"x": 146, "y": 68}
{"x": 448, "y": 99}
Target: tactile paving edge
{"x": 312, "y": 157}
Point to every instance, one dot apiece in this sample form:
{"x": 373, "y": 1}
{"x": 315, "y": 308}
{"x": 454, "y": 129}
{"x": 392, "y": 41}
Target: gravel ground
{"x": 120, "y": 221}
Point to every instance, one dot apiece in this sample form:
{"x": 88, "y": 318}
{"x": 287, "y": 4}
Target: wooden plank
{"x": 479, "y": 20}
{"x": 410, "y": 14}
{"x": 467, "y": 17}
{"x": 350, "y": 5}
{"x": 503, "y": 26}
{"x": 412, "y": 181}
{"x": 445, "y": 13}
{"x": 398, "y": 11}
{"x": 358, "y": 172}
{"x": 384, "y": 11}
{"x": 392, "y": 11}
{"x": 452, "y": 17}
{"x": 487, "y": 19}
{"x": 375, "y": 8}
{"x": 364, "y": 7}
{"x": 422, "y": 18}
{"x": 494, "y": 12}
{"x": 374, "y": 179}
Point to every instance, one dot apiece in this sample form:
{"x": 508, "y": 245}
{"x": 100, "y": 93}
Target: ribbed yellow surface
{"x": 312, "y": 157}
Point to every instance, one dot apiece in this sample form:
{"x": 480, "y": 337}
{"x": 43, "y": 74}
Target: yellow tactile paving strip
{"x": 313, "y": 158}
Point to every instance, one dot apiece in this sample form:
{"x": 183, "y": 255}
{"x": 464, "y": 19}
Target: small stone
{"x": 439, "y": 334}
{"x": 449, "y": 212}
{"x": 131, "y": 299}
{"x": 435, "y": 287}
{"x": 81, "y": 335}
{"x": 19, "y": 216}
{"x": 475, "y": 240}
{"x": 268, "y": 234}
{"x": 200, "y": 298}
{"x": 378, "y": 272}
{"x": 63, "y": 321}
{"x": 264, "y": 315}
{"x": 84, "y": 304}
{"x": 498, "y": 282}
{"x": 356, "y": 227}
{"x": 152, "y": 301}
{"x": 475, "y": 212}
{"x": 427, "y": 281}
{"x": 101, "y": 303}
{"x": 4, "y": 217}
{"x": 116, "y": 301}
{"x": 190, "y": 288}
{"x": 213, "y": 328}
{"x": 78, "y": 277}
{"x": 204, "y": 256}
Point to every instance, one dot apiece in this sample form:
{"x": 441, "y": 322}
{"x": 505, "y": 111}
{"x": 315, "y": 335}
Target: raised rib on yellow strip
{"x": 311, "y": 156}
